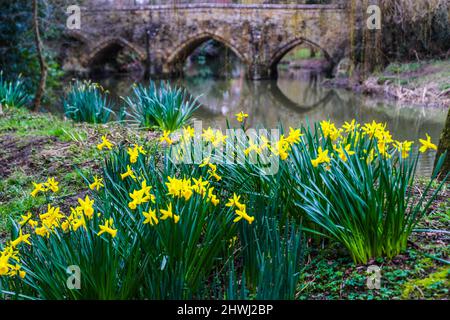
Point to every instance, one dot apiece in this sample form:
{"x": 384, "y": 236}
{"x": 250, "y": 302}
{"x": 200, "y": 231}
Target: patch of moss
{"x": 434, "y": 286}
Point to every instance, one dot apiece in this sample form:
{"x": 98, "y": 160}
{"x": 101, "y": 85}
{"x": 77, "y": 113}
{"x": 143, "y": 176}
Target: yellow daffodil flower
{"x": 427, "y": 144}
{"x": 294, "y": 136}
{"x": 341, "y": 152}
{"x": 241, "y": 116}
{"x": 322, "y": 157}
{"x": 128, "y": 173}
{"x": 242, "y": 214}
{"x": 38, "y": 187}
{"x": 107, "y": 227}
{"x": 105, "y": 144}
{"x": 166, "y": 137}
{"x": 404, "y": 148}
{"x": 150, "y": 217}
{"x": 52, "y": 185}
{"x": 22, "y": 238}
{"x": 169, "y": 214}
{"x": 350, "y": 127}
{"x": 87, "y": 207}
{"x": 188, "y": 133}
{"x": 97, "y": 184}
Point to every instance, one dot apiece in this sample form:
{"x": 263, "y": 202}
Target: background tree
{"x": 43, "y": 66}
{"x": 444, "y": 145}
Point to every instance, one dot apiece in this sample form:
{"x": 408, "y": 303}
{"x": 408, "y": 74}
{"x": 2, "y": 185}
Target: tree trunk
{"x": 43, "y": 67}
{"x": 444, "y": 145}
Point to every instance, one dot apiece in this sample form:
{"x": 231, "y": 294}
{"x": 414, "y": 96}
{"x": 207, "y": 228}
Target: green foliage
{"x": 403, "y": 67}
{"x": 163, "y": 107}
{"x": 364, "y": 204}
{"x": 13, "y": 93}
{"x": 168, "y": 260}
{"x": 87, "y": 102}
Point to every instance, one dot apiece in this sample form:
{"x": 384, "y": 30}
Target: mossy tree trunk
{"x": 43, "y": 67}
{"x": 444, "y": 145}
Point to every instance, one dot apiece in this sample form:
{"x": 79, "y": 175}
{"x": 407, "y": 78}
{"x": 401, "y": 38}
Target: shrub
{"x": 87, "y": 102}
{"x": 163, "y": 107}
{"x": 13, "y": 94}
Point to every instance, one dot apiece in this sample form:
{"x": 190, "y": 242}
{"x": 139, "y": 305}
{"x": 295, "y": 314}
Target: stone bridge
{"x": 163, "y": 36}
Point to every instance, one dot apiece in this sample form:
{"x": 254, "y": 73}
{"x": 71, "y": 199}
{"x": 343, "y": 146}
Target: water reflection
{"x": 297, "y": 97}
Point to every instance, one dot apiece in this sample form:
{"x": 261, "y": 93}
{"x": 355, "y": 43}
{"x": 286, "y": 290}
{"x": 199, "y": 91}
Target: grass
{"x": 433, "y": 74}
{"x": 301, "y": 54}
{"x": 58, "y": 148}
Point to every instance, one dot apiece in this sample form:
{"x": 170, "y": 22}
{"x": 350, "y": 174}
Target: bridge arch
{"x": 283, "y": 49}
{"x": 112, "y": 44}
{"x": 181, "y": 51}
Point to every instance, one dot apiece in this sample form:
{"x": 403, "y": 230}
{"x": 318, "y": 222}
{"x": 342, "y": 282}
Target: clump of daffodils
{"x": 50, "y": 185}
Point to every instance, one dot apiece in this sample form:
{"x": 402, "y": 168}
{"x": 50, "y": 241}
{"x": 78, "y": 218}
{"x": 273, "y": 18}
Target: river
{"x": 298, "y": 97}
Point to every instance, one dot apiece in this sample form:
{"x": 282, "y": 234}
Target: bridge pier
{"x": 259, "y": 71}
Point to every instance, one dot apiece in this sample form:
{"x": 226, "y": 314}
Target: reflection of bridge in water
{"x": 163, "y": 36}
{"x": 226, "y": 97}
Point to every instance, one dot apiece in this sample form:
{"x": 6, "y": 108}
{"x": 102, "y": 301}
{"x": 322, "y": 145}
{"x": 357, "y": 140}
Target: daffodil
{"x": 25, "y": 219}
{"x": 205, "y": 162}
{"x": 200, "y": 185}
{"x": 166, "y": 137}
{"x": 51, "y": 219}
{"x": 128, "y": 173}
{"x": 52, "y": 184}
{"x": 169, "y": 214}
{"x": 208, "y": 135}
{"x": 97, "y": 184}
{"x": 329, "y": 130}
{"x": 141, "y": 196}
{"x": 22, "y": 238}
{"x": 234, "y": 202}
{"x": 212, "y": 197}
{"x": 87, "y": 207}
{"x": 343, "y": 154}
{"x": 107, "y": 227}
{"x": 404, "y": 148}
{"x": 16, "y": 270}
{"x": 179, "y": 188}
{"x": 150, "y": 217}
{"x": 242, "y": 214}
{"x": 38, "y": 187}
{"x": 188, "y": 133}
{"x": 219, "y": 138}
{"x": 252, "y": 147}
{"x": 281, "y": 148}
{"x": 427, "y": 144}
{"x": 294, "y": 136}
{"x": 105, "y": 144}
{"x": 241, "y": 116}
{"x": 350, "y": 127}
{"x": 322, "y": 157}
{"x": 133, "y": 153}
{"x": 42, "y": 231}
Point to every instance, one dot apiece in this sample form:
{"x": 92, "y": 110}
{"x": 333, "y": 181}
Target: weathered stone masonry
{"x": 260, "y": 35}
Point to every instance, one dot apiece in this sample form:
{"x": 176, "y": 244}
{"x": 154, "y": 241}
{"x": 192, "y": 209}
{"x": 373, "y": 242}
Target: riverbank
{"x": 35, "y": 146}
{"x": 420, "y": 83}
